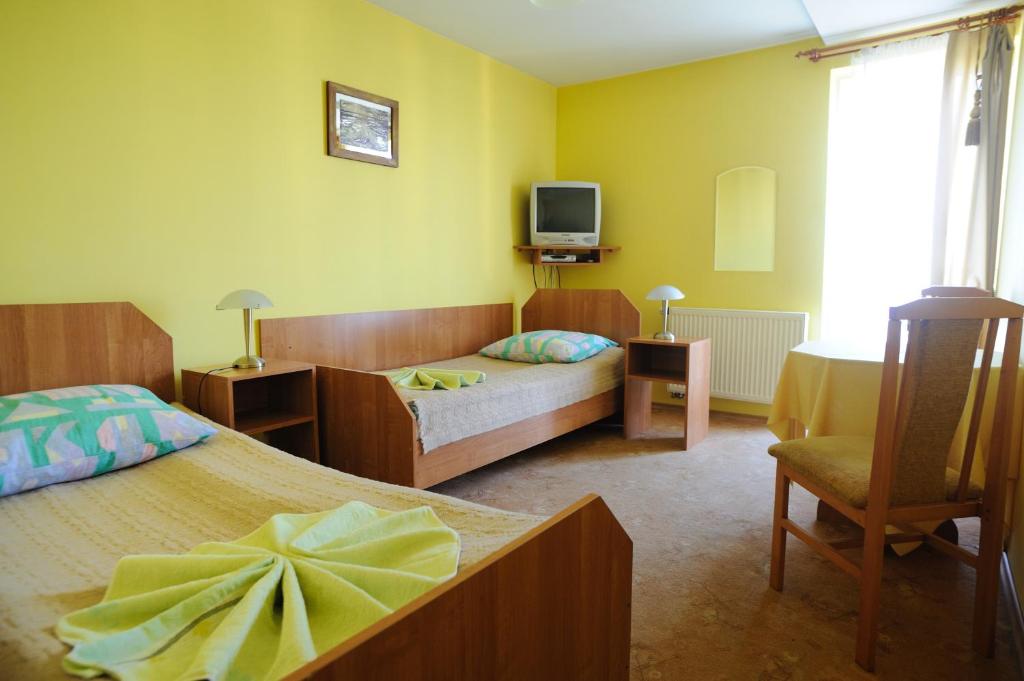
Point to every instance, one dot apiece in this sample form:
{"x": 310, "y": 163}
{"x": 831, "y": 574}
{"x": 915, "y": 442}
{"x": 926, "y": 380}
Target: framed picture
{"x": 361, "y": 126}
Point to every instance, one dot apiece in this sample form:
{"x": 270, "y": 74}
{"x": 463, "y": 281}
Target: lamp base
{"x": 665, "y": 335}
{"x": 250, "y": 362}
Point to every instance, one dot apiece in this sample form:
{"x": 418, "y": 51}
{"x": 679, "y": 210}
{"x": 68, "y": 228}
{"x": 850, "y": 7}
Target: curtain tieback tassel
{"x": 973, "y": 137}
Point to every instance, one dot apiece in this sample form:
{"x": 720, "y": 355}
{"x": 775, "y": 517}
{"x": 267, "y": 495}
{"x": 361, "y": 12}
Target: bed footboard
{"x": 552, "y": 605}
{"x": 365, "y": 427}
{"x": 456, "y": 458}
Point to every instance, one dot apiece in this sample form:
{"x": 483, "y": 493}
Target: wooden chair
{"x": 900, "y": 478}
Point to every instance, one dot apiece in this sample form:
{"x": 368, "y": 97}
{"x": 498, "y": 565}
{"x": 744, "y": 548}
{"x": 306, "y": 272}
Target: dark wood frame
{"x": 367, "y": 429}
{"x": 334, "y": 147}
{"x": 553, "y": 604}
{"x": 879, "y": 512}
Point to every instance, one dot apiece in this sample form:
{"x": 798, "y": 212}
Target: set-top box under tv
{"x": 565, "y": 214}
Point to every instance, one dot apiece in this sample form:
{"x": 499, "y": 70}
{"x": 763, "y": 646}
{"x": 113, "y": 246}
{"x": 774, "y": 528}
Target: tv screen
{"x": 566, "y": 210}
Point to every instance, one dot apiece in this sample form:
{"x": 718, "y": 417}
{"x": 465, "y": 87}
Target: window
{"x": 882, "y": 162}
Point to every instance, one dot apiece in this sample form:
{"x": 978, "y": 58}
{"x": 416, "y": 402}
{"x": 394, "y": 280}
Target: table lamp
{"x": 246, "y": 300}
{"x": 665, "y": 293}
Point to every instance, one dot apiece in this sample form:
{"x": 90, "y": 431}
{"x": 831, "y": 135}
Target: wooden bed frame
{"x": 55, "y": 346}
{"x": 366, "y": 427}
{"x": 553, "y": 604}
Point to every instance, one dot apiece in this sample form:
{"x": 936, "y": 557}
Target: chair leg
{"x": 870, "y": 590}
{"x": 778, "y": 569}
{"x": 986, "y": 590}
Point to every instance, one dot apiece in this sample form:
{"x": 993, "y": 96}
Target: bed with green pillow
{"x": 527, "y": 374}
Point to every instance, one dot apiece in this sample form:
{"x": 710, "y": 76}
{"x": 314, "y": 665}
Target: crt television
{"x": 565, "y": 213}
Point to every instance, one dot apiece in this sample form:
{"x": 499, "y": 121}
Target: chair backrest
{"x": 960, "y": 292}
{"x": 918, "y": 414}
{"x": 955, "y": 292}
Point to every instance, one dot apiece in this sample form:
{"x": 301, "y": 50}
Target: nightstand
{"x": 686, "y": 361}
{"x": 275, "y": 404}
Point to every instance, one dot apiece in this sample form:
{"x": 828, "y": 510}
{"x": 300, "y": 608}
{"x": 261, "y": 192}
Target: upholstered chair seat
{"x": 842, "y": 465}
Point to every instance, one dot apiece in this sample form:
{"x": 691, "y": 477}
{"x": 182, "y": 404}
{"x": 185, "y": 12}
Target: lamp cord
{"x": 199, "y": 391}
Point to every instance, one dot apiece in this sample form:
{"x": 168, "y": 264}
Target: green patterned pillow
{"x": 66, "y": 434}
{"x": 539, "y": 347}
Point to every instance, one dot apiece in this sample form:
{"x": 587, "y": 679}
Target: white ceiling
{"x": 596, "y": 39}
{"x": 839, "y": 21}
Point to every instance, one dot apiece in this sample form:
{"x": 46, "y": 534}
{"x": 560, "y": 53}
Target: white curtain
{"x": 969, "y": 179}
{"x": 880, "y": 197}
{"x": 1011, "y": 247}
{"x": 983, "y": 243}
{"x": 957, "y": 163}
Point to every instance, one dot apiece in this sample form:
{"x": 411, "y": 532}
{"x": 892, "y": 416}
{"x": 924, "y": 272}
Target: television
{"x": 565, "y": 213}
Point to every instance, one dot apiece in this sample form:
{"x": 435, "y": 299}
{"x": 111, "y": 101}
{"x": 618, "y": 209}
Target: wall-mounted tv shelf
{"x": 587, "y": 255}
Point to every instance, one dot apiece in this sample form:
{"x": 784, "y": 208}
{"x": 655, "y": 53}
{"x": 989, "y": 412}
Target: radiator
{"x": 748, "y": 347}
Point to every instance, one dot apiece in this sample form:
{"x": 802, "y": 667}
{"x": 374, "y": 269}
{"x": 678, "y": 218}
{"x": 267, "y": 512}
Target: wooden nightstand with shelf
{"x": 275, "y": 404}
{"x": 686, "y": 361}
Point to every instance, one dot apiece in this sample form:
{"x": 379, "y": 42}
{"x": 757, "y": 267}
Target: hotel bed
{"x": 60, "y": 543}
{"x": 368, "y": 426}
{"x": 544, "y": 598}
{"x": 513, "y": 391}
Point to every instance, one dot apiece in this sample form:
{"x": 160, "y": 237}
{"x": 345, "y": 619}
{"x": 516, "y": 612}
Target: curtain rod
{"x": 999, "y": 16}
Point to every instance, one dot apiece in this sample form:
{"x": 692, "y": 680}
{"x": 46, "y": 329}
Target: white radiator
{"x": 748, "y": 347}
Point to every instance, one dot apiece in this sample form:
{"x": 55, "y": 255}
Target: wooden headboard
{"x": 606, "y": 312}
{"x": 370, "y": 341}
{"x": 55, "y": 346}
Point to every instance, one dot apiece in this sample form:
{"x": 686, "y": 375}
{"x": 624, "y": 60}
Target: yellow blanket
{"x": 263, "y": 605}
{"x": 435, "y": 379}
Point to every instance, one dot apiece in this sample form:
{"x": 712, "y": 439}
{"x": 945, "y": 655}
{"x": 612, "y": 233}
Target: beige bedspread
{"x": 59, "y": 544}
{"x": 512, "y": 392}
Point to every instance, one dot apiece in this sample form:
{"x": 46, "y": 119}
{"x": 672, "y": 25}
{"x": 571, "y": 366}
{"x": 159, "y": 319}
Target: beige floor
{"x": 700, "y": 525}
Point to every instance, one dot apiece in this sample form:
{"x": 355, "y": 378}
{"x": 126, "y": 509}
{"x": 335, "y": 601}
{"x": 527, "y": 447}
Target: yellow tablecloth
{"x": 832, "y": 389}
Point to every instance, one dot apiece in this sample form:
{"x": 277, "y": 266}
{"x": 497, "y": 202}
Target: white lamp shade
{"x": 665, "y": 292}
{"x": 244, "y": 298}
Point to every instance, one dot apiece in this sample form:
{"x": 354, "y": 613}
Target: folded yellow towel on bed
{"x": 263, "y": 605}
{"x": 435, "y": 379}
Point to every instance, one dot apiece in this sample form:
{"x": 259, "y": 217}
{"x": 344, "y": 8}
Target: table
{"x": 276, "y": 404}
{"x": 831, "y": 388}
{"x": 686, "y": 361}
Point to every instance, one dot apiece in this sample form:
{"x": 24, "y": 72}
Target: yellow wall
{"x": 657, "y": 140}
{"x": 169, "y": 152}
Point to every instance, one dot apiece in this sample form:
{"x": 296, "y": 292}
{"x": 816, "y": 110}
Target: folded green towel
{"x": 435, "y": 379}
{"x": 263, "y": 605}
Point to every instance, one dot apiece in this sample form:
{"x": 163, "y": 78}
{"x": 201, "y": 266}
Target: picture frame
{"x": 361, "y": 126}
